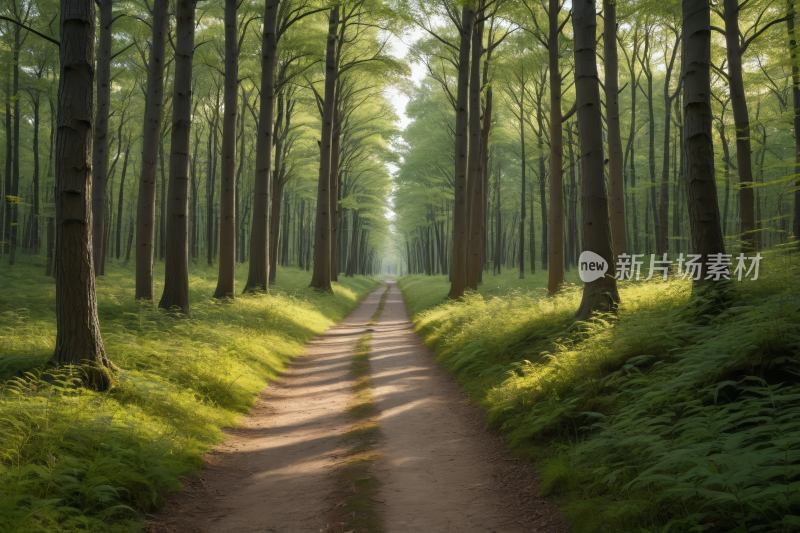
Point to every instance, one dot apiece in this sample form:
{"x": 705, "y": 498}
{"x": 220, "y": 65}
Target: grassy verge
{"x": 357, "y": 512}
{"x": 72, "y": 459}
{"x": 665, "y": 418}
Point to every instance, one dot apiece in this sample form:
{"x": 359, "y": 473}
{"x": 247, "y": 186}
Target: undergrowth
{"x": 664, "y": 418}
{"x": 72, "y": 459}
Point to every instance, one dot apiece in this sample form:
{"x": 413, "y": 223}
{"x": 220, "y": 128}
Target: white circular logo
{"x": 591, "y": 267}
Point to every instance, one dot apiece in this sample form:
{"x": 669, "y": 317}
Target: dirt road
{"x": 440, "y": 469}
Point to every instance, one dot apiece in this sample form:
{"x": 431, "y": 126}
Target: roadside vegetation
{"x": 679, "y": 414}
{"x": 74, "y": 459}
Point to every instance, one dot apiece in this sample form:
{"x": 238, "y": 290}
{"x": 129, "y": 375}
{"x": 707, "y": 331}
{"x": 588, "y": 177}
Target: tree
{"x": 458, "y": 282}
{"x": 791, "y": 21}
{"x": 701, "y": 187}
{"x": 600, "y": 295}
{"x": 226, "y": 284}
{"x": 100, "y": 144}
{"x": 151, "y": 135}
{"x": 615, "y": 158}
{"x": 321, "y": 277}
{"x": 176, "y": 264}
{"x": 78, "y": 339}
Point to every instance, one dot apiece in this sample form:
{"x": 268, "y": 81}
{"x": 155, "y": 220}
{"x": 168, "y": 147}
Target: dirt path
{"x": 440, "y": 470}
{"x": 274, "y": 474}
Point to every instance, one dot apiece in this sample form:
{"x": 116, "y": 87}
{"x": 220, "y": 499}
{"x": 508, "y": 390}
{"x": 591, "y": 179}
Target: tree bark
{"x": 701, "y": 187}
{"x": 522, "y": 195}
{"x": 458, "y": 281}
{"x": 662, "y": 242}
{"x": 321, "y": 278}
{"x": 36, "y": 207}
{"x": 7, "y": 207}
{"x": 151, "y": 136}
{"x": 599, "y": 295}
{"x": 556, "y": 242}
{"x": 176, "y": 260}
{"x": 742, "y": 122}
{"x": 791, "y": 24}
{"x": 226, "y": 283}
{"x": 15, "y": 162}
{"x": 100, "y": 155}
{"x": 78, "y": 340}
{"x": 334, "y": 186}
{"x": 651, "y": 154}
{"x": 475, "y": 161}
{"x": 121, "y": 197}
{"x": 258, "y": 273}
{"x": 615, "y": 158}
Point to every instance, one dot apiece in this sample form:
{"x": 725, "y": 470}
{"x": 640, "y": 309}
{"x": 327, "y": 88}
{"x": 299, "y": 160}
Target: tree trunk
{"x": 121, "y": 197}
{"x": 573, "y": 201}
{"x": 78, "y": 340}
{"x": 601, "y": 294}
{"x": 742, "y": 122}
{"x": 498, "y": 246}
{"x": 556, "y": 240}
{"x": 151, "y": 137}
{"x": 321, "y": 278}
{"x": 162, "y": 218}
{"x": 334, "y": 187}
{"x": 36, "y": 207}
{"x": 701, "y": 187}
{"x": 226, "y": 283}
{"x": 792, "y": 17}
{"x": 460, "y": 223}
{"x": 522, "y": 196}
{"x": 651, "y": 154}
{"x": 100, "y": 154}
{"x": 258, "y": 273}
{"x": 662, "y": 245}
{"x": 176, "y": 261}
{"x": 15, "y": 163}
{"x": 475, "y": 161}
{"x": 726, "y": 161}
{"x": 51, "y": 234}
{"x": 7, "y": 207}
{"x": 615, "y": 160}
{"x": 210, "y": 195}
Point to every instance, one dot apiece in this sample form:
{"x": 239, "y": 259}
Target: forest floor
{"x": 679, "y": 413}
{"x": 433, "y": 464}
{"x": 76, "y": 460}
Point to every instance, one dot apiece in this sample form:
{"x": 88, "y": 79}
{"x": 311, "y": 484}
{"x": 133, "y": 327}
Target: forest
{"x": 582, "y": 216}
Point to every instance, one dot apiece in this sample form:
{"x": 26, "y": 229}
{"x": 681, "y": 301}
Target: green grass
{"x": 72, "y": 459}
{"x": 664, "y": 418}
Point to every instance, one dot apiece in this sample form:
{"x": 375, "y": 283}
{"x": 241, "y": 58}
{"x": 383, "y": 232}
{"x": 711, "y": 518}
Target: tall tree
{"x": 151, "y": 135}
{"x": 226, "y": 283}
{"x": 701, "y": 187}
{"x": 791, "y": 21}
{"x": 458, "y": 281}
{"x": 176, "y": 264}
{"x": 78, "y": 339}
{"x": 741, "y": 119}
{"x": 599, "y": 295}
{"x": 100, "y": 145}
{"x": 615, "y": 158}
{"x": 475, "y": 160}
{"x": 321, "y": 277}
